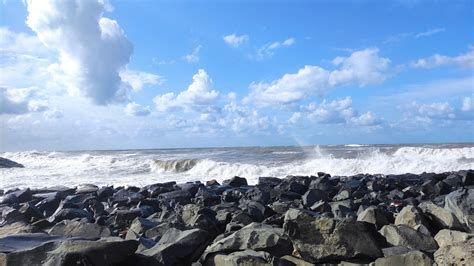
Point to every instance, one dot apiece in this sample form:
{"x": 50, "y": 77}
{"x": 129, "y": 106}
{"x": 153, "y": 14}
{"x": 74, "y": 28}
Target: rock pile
{"x": 299, "y": 220}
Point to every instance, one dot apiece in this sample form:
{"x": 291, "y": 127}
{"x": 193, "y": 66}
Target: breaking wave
{"x": 175, "y": 166}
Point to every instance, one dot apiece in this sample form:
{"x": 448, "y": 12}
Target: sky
{"x": 98, "y": 74}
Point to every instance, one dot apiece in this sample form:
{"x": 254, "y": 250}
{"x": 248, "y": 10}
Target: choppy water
{"x": 141, "y": 167}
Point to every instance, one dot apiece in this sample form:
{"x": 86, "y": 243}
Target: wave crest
{"x": 176, "y": 166}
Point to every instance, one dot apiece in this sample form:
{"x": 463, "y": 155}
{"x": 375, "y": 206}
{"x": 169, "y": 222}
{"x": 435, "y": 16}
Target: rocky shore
{"x": 299, "y": 220}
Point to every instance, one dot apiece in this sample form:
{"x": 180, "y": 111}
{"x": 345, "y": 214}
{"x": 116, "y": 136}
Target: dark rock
{"x": 17, "y": 228}
{"x": 453, "y": 181}
{"x": 79, "y": 229}
{"x": 312, "y": 196}
{"x": 232, "y": 195}
{"x": 31, "y": 212}
{"x": 409, "y": 258}
{"x": 405, "y": 236}
{"x": 22, "y": 195}
{"x": 212, "y": 182}
{"x": 206, "y": 197}
{"x": 191, "y": 187}
{"x": 180, "y": 196}
{"x": 138, "y": 227}
{"x": 297, "y": 187}
{"x": 392, "y": 251}
{"x": 440, "y": 217}
{"x": 320, "y": 239}
{"x": 124, "y": 218}
{"x": 69, "y": 214}
{"x": 259, "y": 194}
{"x": 258, "y": 237}
{"x": 375, "y": 216}
{"x": 293, "y": 261}
{"x": 269, "y": 181}
{"x": 6, "y": 163}
{"x": 235, "y": 182}
{"x": 461, "y": 204}
{"x": 9, "y": 199}
{"x": 467, "y": 177}
{"x": 198, "y": 217}
{"x": 178, "y": 247}
{"x": 11, "y": 215}
{"x": 246, "y": 257}
{"x": 48, "y": 205}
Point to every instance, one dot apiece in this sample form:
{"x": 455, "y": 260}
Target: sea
{"x": 143, "y": 167}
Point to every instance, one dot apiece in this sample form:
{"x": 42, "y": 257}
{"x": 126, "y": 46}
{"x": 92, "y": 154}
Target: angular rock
{"x": 6, "y": 163}
{"x": 246, "y": 257}
{"x": 258, "y": 237}
{"x": 290, "y": 260}
{"x": 181, "y": 196}
{"x": 405, "y": 236}
{"x": 447, "y": 237}
{"x": 375, "y": 216}
{"x": 319, "y": 239}
{"x": 235, "y": 182}
{"x": 138, "y": 227}
{"x": 84, "y": 230}
{"x": 412, "y": 258}
{"x": 22, "y": 195}
{"x": 461, "y": 204}
{"x": 461, "y": 253}
{"x": 17, "y": 228}
{"x": 410, "y": 215}
{"x": 441, "y": 217}
{"x": 178, "y": 247}
{"x": 69, "y": 214}
{"x": 312, "y": 196}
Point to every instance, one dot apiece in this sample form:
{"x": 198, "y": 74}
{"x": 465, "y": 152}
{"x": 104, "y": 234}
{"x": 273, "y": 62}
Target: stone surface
{"x": 461, "y": 253}
{"x": 375, "y": 216}
{"x": 409, "y": 215}
{"x": 447, "y": 237}
{"x": 412, "y": 258}
{"x": 84, "y": 230}
{"x": 405, "y": 236}
{"x": 6, "y": 163}
{"x": 319, "y": 239}
{"x": 246, "y": 257}
{"x": 461, "y": 204}
{"x": 442, "y": 217}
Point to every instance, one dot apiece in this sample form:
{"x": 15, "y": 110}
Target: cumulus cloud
{"x": 134, "y": 109}
{"x": 194, "y": 56}
{"x": 92, "y": 49}
{"x": 465, "y": 60}
{"x": 234, "y": 40}
{"x": 20, "y": 101}
{"x": 20, "y": 43}
{"x": 443, "y": 110}
{"x": 363, "y": 68}
{"x": 267, "y": 50}
{"x": 138, "y": 79}
{"x": 200, "y": 96}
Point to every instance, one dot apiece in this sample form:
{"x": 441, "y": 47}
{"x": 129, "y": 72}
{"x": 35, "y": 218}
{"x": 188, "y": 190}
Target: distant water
{"x": 141, "y": 167}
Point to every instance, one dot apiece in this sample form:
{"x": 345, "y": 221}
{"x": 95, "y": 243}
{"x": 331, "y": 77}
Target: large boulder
{"x": 447, "y": 237}
{"x": 85, "y": 230}
{"x": 461, "y": 204}
{"x": 16, "y": 228}
{"x": 246, "y": 257}
{"x": 41, "y": 249}
{"x": 259, "y": 237}
{"x": 177, "y": 247}
{"x": 321, "y": 239}
{"x": 405, "y": 236}
{"x": 235, "y": 182}
{"x": 6, "y": 163}
{"x": 441, "y": 217}
{"x": 461, "y": 253}
{"x": 412, "y": 258}
{"x": 410, "y": 215}
{"x": 375, "y": 216}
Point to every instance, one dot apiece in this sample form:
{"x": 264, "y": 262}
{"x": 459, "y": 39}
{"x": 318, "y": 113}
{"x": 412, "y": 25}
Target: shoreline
{"x": 380, "y": 219}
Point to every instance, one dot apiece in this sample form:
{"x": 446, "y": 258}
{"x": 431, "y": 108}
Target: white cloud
{"x": 134, "y": 109}
{"x": 20, "y": 101}
{"x": 267, "y": 50}
{"x": 234, "y": 40}
{"x": 363, "y": 67}
{"x": 139, "y": 79}
{"x": 465, "y": 60}
{"x": 199, "y": 96}
{"x": 467, "y": 103}
{"x": 366, "y": 119}
{"x": 53, "y": 114}
{"x": 20, "y": 43}
{"x": 430, "y": 32}
{"x": 92, "y": 49}
{"x": 194, "y": 56}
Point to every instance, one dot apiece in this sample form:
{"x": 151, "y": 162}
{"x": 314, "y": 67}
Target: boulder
{"x": 180, "y": 196}
{"x": 461, "y": 253}
{"x": 291, "y": 260}
{"x": 441, "y": 217}
{"x": 412, "y": 258}
{"x": 405, "y": 236}
{"x": 235, "y": 182}
{"x": 320, "y": 239}
{"x": 69, "y": 214}
{"x": 255, "y": 236}
{"x": 41, "y": 249}
{"x": 22, "y": 195}
{"x": 461, "y": 204}
{"x": 312, "y": 196}
{"x": 138, "y": 227}
{"x": 410, "y": 215}
{"x": 375, "y": 216}
{"x": 6, "y": 163}
{"x": 447, "y": 237}
{"x": 246, "y": 257}
{"x": 30, "y": 212}
{"x": 84, "y": 230}
{"x": 17, "y": 228}
{"x": 177, "y": 247}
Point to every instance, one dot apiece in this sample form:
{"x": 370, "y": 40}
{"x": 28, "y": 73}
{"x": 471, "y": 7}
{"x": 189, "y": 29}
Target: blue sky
{"x": 154, "y": 74}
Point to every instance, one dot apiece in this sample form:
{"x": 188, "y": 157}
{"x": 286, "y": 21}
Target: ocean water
{"x": 142, "y": 167}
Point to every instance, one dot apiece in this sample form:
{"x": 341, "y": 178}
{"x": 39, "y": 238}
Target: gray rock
{"x": 392, "y": 251}
{"x": 410, "y": 215}
{"x": 412, "y": 258}
{"x": 17, "y": 228}
{"x": 84, "y": 230}
{"x": 246, "y": 257}
{"x": 442, "y": 217}
{"x": 312, "y": 196}
{"x": 447, "y": 237}
{"x": 405, "y": 236}
{"x": 235, "y": 182}
{"x": 319, "y": 239}
{"x": 461, "y": 204}
{"x": 461, "y": 253}
{"x": 69, "y": 214}
{"x": 375, "y": 216}
{"x": 177, "y": 247}
{"x": 291, "y": 260}
{"x": 255, "y": 236}
{"x": 41, "y": 249}
{"x": 6, "y": 163}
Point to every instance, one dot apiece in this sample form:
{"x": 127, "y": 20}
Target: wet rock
{"x": 79, "y": 229}
{"x": 22, "y": 195}
{"x": 410, "y": 215}
{"x": 48, "y": 205}
{"x": 232, "y": 195}
{"x": 41, "y": 249}
{"x": 412, "y": 258}
{"x": 319, "y": 239}
{"x": 259, "y": 194}
{"x": 312, "y": 196}
{"x": 235, "y": 182}
{"x": 177, "y": 247}
{"x": 447, "y": 237}
{"x": 69, "y": 214}
{"x": 11, "y": 215}
{"x": 461, "y": 253}
{"x": 375, "y": 216}
{"x": 124, "y": 218}
{"x": 461, "y": 204}
{"x": 138, "y": 227}
{"x": 206, "y": 197}
{"x": 405, "y": 236}
{"x": 467, "y": 177}
{"x": 17, "y": 228}
{"x": 246, "y": 257}
{"x": 9, "y": 199}
{"x": 441, "y": 217}
{"x": 30, "y": 212}
{"x": 6, "y": 163}
{"x": 198, "y": 217}
{"x": 212, "y": 182}
{"x": 258, "y": 237}
{"x": 269, "y": 181}
{"x": 180, "y": 196}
